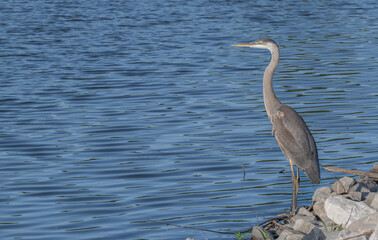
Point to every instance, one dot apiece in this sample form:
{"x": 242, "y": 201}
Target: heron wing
{"x": 296, "y": 141}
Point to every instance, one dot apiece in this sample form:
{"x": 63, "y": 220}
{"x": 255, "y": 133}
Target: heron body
{"x": 289, "y": 129}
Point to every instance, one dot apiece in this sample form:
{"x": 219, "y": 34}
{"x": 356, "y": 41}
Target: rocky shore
{"x": 346, "y": 210}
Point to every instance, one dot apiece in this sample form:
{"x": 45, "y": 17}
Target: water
{"x": 114, "y": 113}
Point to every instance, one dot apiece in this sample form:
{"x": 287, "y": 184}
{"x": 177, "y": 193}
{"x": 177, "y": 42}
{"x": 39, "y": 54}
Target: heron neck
{"x": 271, "y": 101}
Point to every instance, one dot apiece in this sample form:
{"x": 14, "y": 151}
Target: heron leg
{"x": 295, "y": 188}
{"x": 298, "y": 181}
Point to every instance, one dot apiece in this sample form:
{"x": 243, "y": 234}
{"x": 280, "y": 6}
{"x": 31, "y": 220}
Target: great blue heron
{"x": 289, "y": 129}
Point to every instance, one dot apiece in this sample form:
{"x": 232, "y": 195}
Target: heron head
{"x": 265, "y": 43}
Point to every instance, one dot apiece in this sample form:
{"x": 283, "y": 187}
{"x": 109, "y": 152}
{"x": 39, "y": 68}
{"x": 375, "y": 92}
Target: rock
{"x": 333, "y": 194}
{"x": 369, "y": 183}
{"x": 320, "y": 212}
{"x": 304, "y": 212}
{"x": 356, "y": 196}
{"x": 284, "y": 235}
{"x": 321, "y": 194}
{"x": 295, "y": 218}
{"x": 315, "y": 234}
{"x": 303, "y": 226}
{"x": 331, "y": 235}
{"x": 287, "y": 235}
{"x": 374, "y": 235}
{"x": 260, "y": 233}
{"x": 374, "y": 202}
{"x": 294, "y": 237}
{"x": 365, "y": 224}
{"x": 343, "y": 185}
{"x": 369, "y": 198}
{"x": 344, "y": 211}
{"x": 360, "y": 187}
{"x": 348, "y": 234}
{"x": 374, "y": 169}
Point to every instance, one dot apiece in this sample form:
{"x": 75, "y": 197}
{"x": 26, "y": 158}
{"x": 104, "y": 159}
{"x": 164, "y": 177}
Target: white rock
{"x": 303, "y": 226}
{"x": 374, "y": 235}
{"x": 286, "y": 235}
{"x": 348, "y": 234}
{"x": 374, "y": 202}
{"x": 294, "y": 237}
{"x": 331, "y": 235}
{"x": 365, "y": 224}
{"x": 344, "y": 211}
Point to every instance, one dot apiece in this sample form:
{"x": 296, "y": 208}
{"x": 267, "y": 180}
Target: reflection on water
{"x": 114, "y": 114}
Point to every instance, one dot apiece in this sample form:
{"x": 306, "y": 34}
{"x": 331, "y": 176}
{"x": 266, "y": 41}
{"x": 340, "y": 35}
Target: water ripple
{"x": 114, "y": 114}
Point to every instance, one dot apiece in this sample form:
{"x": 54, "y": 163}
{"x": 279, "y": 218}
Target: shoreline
{"x": 346, "y": 210}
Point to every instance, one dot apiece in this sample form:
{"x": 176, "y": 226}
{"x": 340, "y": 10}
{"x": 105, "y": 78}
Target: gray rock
{"x": 321, "y": 194}
{"x": 284, "y": 234}
{"x": 374, "y": 235}
{"x": 356, "y": 196}
{"x": 347, "y": 234}
{"x": 304, "y": 212}
{"x": 360, "y": 187}
{"x": 315, "y": 234}
{"x": 320, "y": 212}
{"x": 374, "y": 202}
{"x": 333, "y": 194}
{"x": 303, "y": 226}
{"x": 294, "y": 237}
{"x": 369, "y": 198}
{"x": 343, "y": 185}
{"x": 365, "y": 224}
{"x": 287, "y": 235}
{"x": 369, "y": 183}
{"x": 344, "y": 211}
{"x": 295, "y": 218}
{"x": 332, "y": 235}
{"x": 374, "y": 169}
{"x": 257, "y": 233}
{"x": 279, "y": 231}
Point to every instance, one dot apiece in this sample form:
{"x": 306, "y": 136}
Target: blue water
{"x": 114, "y": 113}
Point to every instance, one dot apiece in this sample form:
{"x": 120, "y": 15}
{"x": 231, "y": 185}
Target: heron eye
{"x": 261, "y": 42}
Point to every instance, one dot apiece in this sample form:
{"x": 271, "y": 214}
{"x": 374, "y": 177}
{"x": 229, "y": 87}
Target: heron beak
{"x": 244, "y": 45}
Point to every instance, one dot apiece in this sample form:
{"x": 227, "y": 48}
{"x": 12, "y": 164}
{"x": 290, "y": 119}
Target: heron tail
{"x": 313, "y": 173}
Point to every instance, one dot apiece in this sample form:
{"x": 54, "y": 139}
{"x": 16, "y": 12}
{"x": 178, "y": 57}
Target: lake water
{"x": 114, "y": 113}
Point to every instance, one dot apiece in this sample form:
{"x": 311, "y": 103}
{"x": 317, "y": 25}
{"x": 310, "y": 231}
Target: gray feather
{"x": 296, "y": 141}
